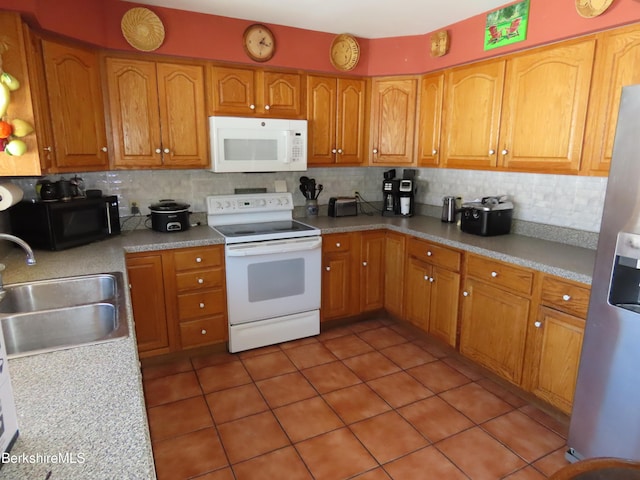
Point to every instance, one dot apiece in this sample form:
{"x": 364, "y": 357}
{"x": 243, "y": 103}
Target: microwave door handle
{"x": 267, "y": 248}
{"x": 108, "y": 211}
{"x": 289, "y": 146}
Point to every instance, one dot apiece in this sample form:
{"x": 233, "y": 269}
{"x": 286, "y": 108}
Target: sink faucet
{"x": 31, "y": 260}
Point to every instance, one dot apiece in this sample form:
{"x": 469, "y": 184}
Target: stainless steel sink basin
{"x": 47, "y": 315}
{"x": 58, "y": 293}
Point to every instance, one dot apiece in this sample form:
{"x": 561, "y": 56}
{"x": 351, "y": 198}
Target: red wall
{"x": 213, "y": 37}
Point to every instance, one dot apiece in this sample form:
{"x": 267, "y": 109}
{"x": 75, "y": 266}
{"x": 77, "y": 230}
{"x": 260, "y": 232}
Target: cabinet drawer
{"x": 565, "y": 296}
{"x": 434, "y": 254}
{"x": 500, "y": 274}
{"x": 200, "y": 304}
{"x": 198, "y": 258}
{"x": 200, "y": 279}
{"x": 203, "y": 332}
{"x": 336, "y": 242}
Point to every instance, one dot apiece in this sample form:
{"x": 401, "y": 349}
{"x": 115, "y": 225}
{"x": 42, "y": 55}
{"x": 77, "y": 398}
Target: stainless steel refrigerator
{"x": 606, "y": 412}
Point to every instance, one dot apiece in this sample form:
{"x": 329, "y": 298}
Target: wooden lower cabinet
{"x": 146, "y": 285}
{"x": 179, "y": 299}
{"x": 372, "y": 265}
{"x": 339, "y": 295}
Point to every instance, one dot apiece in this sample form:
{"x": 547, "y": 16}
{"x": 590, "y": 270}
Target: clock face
{"x": 345, "y": 52}
{"x": 259, "y": 43}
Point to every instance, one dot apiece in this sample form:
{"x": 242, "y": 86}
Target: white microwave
{"x": 240, "y": 144}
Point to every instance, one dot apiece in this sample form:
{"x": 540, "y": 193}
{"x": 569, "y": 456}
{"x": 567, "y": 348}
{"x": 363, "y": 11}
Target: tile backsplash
{"x": 560, "y": 200}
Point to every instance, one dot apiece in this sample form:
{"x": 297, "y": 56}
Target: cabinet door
{"x": 182, "y": 115}
{"x": 394, "y": 281}
{"x": 233, "y": 91}
{"x": 282, "y": 95}
{"x": 75, "y": 99}
{"x": 321, "y": 109}
{"x": 544, "y": 108}
{"x": 351, "y": 122}
{"x": 418, "y": 293}
{"x": 431, "y": 90}
{"x": 337, "y": 287}
{"x": 493, "y": 330}
{"x": 393, "y": 120}
{"x": 471, "y": 116}
{"x": 372, "y": 270}
{"x": 148, "y": 303}
{"x": 135, "y": 118}
{"x": 443, "y": 312}
{"x": 616, "y": 65}
{"x": 557, "y": 340}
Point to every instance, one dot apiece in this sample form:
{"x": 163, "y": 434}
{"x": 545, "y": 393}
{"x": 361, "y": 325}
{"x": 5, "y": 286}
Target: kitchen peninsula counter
{"x": 87, "y": 402}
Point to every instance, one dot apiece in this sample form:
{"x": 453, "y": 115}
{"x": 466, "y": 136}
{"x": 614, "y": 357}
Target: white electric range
{"x": 273, "y": 269}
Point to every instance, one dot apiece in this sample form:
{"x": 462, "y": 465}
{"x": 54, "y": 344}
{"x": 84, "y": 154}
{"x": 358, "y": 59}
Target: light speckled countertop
{"x": 89, "y": 401}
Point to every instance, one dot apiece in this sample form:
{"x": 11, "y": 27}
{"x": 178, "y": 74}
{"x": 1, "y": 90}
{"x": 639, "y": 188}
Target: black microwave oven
{"x": 58, "y": 225}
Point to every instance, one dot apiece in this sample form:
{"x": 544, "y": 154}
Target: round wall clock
{"x": 592, "y": 8}
{"x": 345, "y": 52}
{"x": 259, "y": 42}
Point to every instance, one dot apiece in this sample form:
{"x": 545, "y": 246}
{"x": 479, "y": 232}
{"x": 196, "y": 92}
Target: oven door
{"x": 272, "y": 278}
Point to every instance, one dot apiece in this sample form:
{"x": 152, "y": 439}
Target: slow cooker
{"x": 170, "y": 216}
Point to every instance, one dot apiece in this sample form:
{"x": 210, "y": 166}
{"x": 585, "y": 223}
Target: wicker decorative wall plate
{"x": 592, "y": 8}
{"x": 142, "y": 29}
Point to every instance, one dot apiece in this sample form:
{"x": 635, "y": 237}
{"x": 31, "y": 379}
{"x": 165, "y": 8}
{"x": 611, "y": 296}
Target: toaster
{"x": 487, "y": 217}
{"x": 342, "y": 207}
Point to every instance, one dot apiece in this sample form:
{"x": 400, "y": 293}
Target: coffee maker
{"x": 398, "y": 194}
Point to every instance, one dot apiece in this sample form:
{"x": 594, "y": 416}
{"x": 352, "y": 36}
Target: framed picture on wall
{"x": 507, "y": 25}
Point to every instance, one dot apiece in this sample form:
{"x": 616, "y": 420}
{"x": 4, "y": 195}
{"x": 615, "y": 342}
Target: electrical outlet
{"x": 135, "y": 209}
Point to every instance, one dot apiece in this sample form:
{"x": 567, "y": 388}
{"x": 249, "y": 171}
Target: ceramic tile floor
{"x": 369, "y": 401}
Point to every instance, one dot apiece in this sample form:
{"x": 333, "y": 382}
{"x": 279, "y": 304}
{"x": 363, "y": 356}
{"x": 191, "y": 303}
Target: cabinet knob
{"x": 429, "y": 253}
{"x": 203, "y": 332}
{"x": 338, "y": 244}
{"x": 505, "y": 151}
{"x": 566, "y": 298}
{"x": 465, "y": 294}
{"x": 47, "y": 149}
{"x": 334, "y": 151}
{"x": 198, "y": 260}
{"x": 494, "y": 274}
{"x": 104, "y": 149}
{"x": 158, "y": 150}
{"x": 200, "y": 281}
{"x": 431, "y": 279}
{"x": 364, "y": 264}
{"x": 434, "y": 152}
{"x": 537, "y": 324}
{"x": 166, "y": 150}
{"x": 252, "y": 106}
{"x": 492, "y": 152}
{"x": 328, "y": 269}
{"x": 426, "y": 277}
{"x": 339, "y": 150}
{"x": 201, "y": 305}
{"x": 267, "y": 107}
{"x": 375, "y": 150}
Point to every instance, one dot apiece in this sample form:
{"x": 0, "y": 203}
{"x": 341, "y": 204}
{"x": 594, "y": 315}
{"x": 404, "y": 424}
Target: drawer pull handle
{"x": 364, "y": 264}
{"x": 566, "y": 298}
{"x": 338, "y": 244}
{"x": 201, "y": 305}
{"x": 203, "y": 332}
{"x": 200, "y": 281}
{"x": 494, "y": 274}
{"x": 429, "y": 253}
{"x": 198, "y": 260}
{"x": 537, "y": 324}
{"x": 465, "y": 294}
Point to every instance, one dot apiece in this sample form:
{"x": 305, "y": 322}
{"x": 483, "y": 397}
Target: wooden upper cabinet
{"x": 471, "y": 115}
{"x": 14, "y": 61}
{"x": 617, "y": 64}
{"x": 157, "y": 114}
{"x": 393, "y": 120}
{"x": 249, "y": 91}
{"x": 77, "y": 114}
{"x": 431, "y": 91}
{"x": 336, "y": 115}
{"x": 544, "y": 108}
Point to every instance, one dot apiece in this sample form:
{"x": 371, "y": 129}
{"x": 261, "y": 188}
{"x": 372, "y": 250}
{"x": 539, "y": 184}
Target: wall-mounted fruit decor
{"x": 12, "y": 130}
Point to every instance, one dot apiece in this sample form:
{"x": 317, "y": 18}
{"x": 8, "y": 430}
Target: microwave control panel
{"x": 298, "y": 149}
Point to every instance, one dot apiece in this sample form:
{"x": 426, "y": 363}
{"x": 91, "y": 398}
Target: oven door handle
{"x": 271, "y": 247}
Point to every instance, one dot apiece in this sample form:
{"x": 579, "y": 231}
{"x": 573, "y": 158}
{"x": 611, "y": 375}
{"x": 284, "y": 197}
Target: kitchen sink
{"x": 47, "y": 315}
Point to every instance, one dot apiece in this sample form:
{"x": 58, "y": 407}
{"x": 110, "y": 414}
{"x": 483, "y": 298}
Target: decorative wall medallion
{"x": 345, "y": 52}
{"x": 142, "y": 29}
{"x": 439, "y": 43}
{"x": 592, "y": 8}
